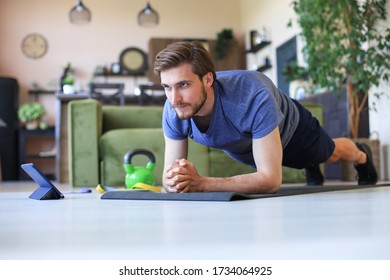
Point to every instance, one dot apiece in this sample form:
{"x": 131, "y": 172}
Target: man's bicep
{"x": 268, "y": 153}
{"x": 174, "y": 149}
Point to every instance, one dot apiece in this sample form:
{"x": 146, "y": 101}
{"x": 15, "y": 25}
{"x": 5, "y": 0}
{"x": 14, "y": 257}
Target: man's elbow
{"x": 273, "y": 185}
{"x": 273, "y": 189}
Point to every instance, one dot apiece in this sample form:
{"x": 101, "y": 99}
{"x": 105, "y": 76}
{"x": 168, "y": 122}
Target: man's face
{"x": 184, "y": 90}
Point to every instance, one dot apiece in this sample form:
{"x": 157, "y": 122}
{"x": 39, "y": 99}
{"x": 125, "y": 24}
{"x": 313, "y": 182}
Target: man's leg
{"x": 311, "y": 145}
{"x": 360, "y": 155}
{"x": 346, "y": 149}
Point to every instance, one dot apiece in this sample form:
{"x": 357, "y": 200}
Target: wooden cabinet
{"x": 235, "y": 58}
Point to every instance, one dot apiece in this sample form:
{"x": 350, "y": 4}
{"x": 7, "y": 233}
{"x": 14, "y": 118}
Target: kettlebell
{"x": 139, "y": 174}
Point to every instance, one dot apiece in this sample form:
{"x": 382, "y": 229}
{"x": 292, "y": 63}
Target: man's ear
{"x": 208, "y": 79}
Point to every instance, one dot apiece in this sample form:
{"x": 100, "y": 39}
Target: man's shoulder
{"x": 237, "y": 73}
{"x": 241, "y": 86}
{"x": 243, "y": 79}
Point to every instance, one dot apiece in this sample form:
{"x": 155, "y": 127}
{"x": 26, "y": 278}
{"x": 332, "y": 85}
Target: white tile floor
{"x": 334, "y": 225}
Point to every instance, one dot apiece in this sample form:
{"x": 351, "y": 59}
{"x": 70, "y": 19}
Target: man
{"x": 245, "y": 115}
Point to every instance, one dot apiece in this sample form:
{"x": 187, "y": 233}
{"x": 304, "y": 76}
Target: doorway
{"x": 285, "y": 54}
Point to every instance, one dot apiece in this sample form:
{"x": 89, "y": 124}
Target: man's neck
{"x": 202, "y": 123}
{"x": 207, "y": 108}
{"x": 203, "y": 119}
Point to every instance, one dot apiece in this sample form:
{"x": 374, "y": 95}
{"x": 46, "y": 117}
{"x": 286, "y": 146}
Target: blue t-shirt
{"x": 247, "y": 106}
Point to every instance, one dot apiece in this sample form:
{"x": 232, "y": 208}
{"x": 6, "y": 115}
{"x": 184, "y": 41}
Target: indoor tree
{"x": 346, "y": 45}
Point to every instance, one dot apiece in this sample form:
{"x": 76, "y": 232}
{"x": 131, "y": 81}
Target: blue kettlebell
{"x": 139, "y": 174}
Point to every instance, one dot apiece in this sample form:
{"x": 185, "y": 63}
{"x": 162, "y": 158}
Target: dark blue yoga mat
{"x": 227, "y": 196}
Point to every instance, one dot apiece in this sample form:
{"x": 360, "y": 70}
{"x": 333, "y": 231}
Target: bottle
{"x": 254, "y": 35}
{"x": 263, "y": 35}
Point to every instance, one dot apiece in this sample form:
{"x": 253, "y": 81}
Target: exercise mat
{"x": 227, "y": 196}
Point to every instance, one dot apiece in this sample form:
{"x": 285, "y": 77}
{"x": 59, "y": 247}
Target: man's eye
{"x": 183, "y": 85}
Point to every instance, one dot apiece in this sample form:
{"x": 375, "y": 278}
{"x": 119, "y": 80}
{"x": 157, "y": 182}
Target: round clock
{"x": 34, "y": 45}
{"x": 133, "y": 61}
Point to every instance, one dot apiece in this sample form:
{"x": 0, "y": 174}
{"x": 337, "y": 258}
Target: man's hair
{"x": 179, "y": 53}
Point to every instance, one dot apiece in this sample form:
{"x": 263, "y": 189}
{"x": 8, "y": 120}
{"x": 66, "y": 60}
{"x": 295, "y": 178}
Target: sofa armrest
{"x": 84, "y": 130}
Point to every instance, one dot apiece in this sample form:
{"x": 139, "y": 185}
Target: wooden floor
{"x": 335, "y": 225}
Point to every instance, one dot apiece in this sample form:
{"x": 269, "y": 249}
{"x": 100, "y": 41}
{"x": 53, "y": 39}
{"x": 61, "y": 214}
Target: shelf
{"x": 39, "y": 91}
{"x": 112, "y": 75}
{"x": 125, "y": 75}
{"x": 258, "y": 47}
{"x": 36, "y": 156}
{"x": 38, "y": 132}
{"x": 255, "y": 49}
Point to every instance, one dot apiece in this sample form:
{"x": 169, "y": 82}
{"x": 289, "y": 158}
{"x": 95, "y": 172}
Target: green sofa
{"x": 100, "y": 136}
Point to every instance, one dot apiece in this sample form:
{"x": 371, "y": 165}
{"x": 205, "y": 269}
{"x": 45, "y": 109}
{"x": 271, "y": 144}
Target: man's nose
{"x": 176, "y": 97}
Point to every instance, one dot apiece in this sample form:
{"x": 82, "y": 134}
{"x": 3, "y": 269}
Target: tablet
{"x": 46, "y": 189}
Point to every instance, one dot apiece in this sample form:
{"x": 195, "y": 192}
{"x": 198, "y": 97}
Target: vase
{"x": 68, "y": 89}
{"x": 299, "y": 89}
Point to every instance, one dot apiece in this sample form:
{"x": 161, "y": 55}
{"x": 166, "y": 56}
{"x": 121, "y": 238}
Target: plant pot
{"x": 68, "y": 89}
{"x": 31, "y": 125}
{"x": 348, "y": 169}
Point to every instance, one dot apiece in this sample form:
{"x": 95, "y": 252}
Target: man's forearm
{"x": 182, "y": 176}
{"x": 247, "y": 183}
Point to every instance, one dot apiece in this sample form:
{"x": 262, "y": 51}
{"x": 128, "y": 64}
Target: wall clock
{"x": 133, "y": 61}
{"x": 34, "y": 45}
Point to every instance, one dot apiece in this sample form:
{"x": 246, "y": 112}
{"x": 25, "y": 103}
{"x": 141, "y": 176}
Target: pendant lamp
{"x": 80, "y": 14}
{"x": 148, "y": 17}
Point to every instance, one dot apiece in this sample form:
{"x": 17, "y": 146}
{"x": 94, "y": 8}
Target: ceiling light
{"x": 148, "y": 17}
{"x": 80, "y": 14}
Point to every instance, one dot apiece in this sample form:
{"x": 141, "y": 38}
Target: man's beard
{"x": 195, "y": 108}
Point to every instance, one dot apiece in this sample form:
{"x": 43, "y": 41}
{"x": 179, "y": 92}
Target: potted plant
{"x": 30, "y": 114}
{"x": 298, "y": 78}
{"x": 68, "y": 87}
{"x": 67, "y": 80}
{"x": 223, "y": 43}
{"x": 345, "y": 47}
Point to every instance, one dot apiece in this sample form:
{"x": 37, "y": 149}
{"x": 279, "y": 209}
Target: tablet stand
{"x": 45, "y": 193}
{"x": 46, "y": 189}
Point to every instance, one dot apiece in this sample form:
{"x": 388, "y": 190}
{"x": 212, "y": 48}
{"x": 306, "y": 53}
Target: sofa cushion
{"x": 117, "y": 117}
{"x": 114, "y": 144}
{"x": 292, "y": 175}
{"x": 221, "y": 165}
